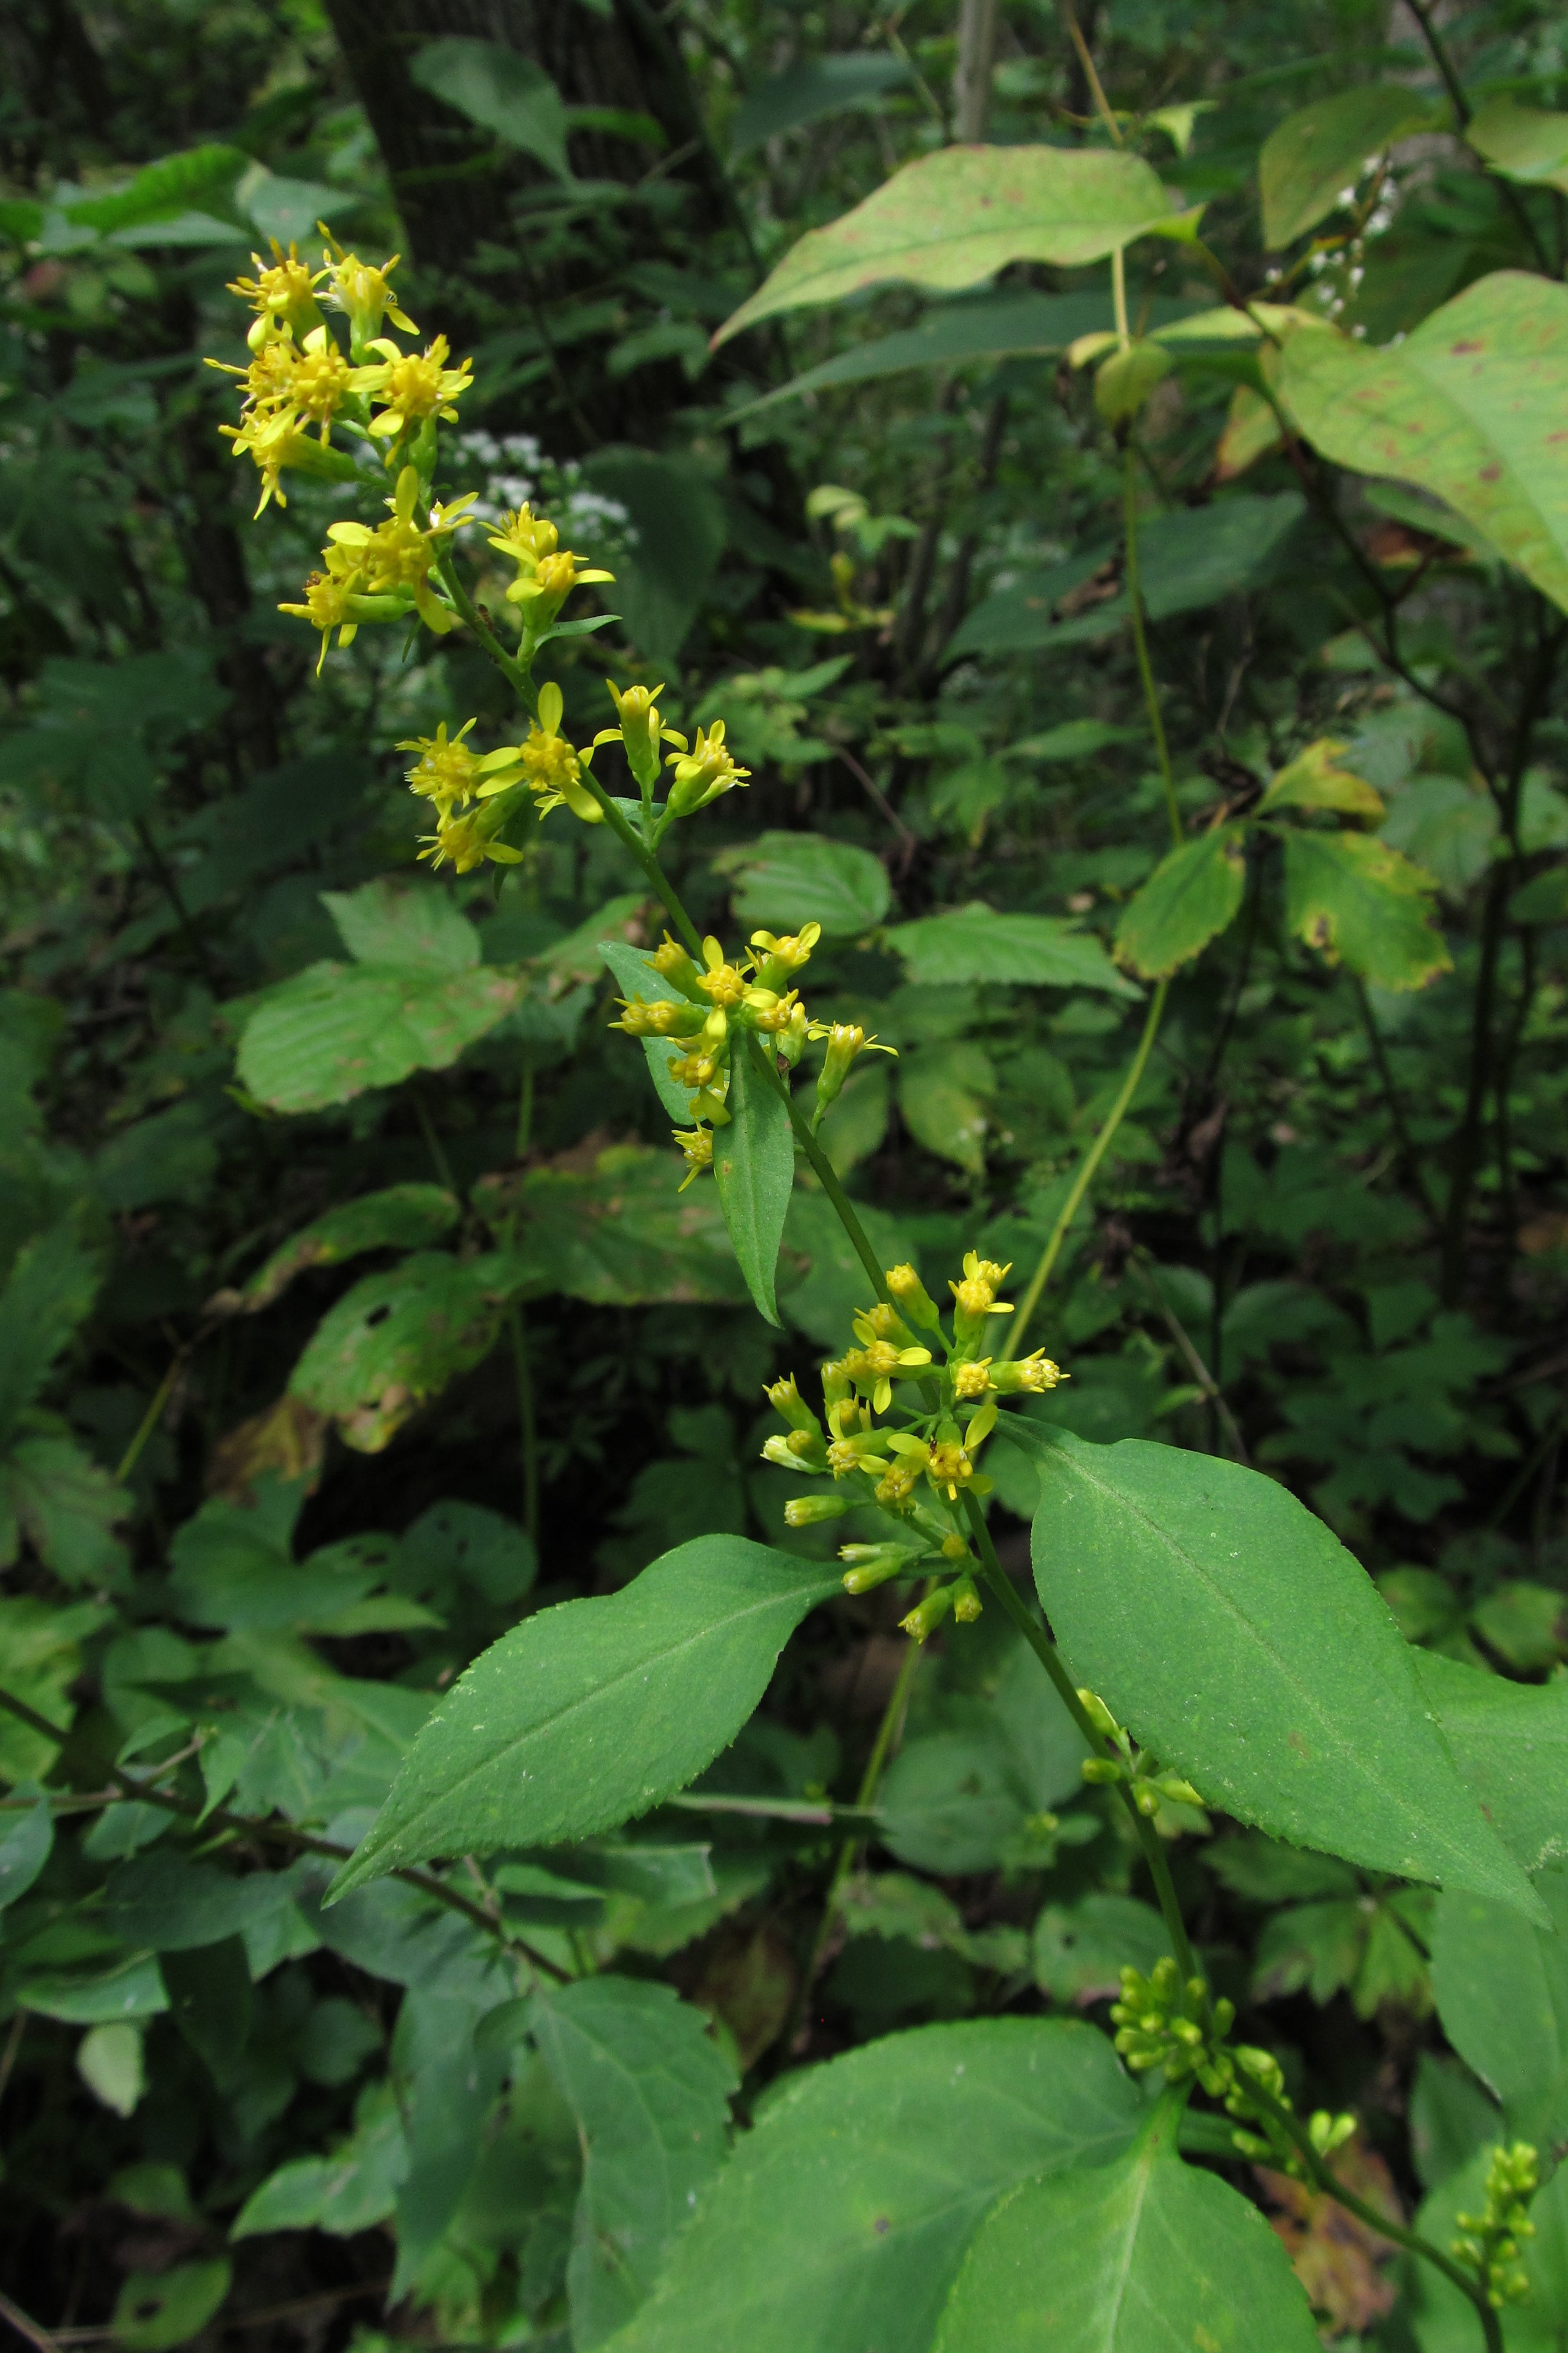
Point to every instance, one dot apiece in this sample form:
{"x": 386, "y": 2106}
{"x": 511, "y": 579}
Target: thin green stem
{"x": 517, "y": 672}
{"x": 1141, "y": 638}
{"x": 149, "y": 1422}
{"x": 1325, "y": 2180}
{"x": 646, "y": 858}
{"x": 1119, "y": 298}
{"x": 826, "y": 1175}
{"x": 999, "y": 1583}
{"x": 1084, "y": 1178}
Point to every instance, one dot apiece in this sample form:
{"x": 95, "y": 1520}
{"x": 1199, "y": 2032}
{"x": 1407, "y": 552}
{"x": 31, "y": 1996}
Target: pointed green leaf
{"x": 840, "y": 2222}
{"x": 1502, "y": 1995}
{"x": 409, "y": 924}
{"x": 398, "y": 1337}
{"x": 1233, "y": 1634}
{"x": 1306, "y": 160}
{"x": 953, "y": 218}
{"x": 1509, "y": 1742}
{"x": 786, "y": 881}
{"x": 1468, "y": 406}
{"x": 157, "y": 2310}
{"x": 1189, "y": 899}
{"x": 502, "y": 91}
{"x": 1357, "y": 900}
{"x": 1523, "y": 142}
{"x": 753, "y": 1161}
{"x": 400, "y": 1218}
{"x": 649, "y": 2090}
{"x": 25, "y": 1845}
{"x": 594, "y": 1710}
{"x": 978, "y": 944}
{"x": 333, "y": 1030}
{"x": 635, "y": 976}
{"x": 811, "y": 91}
{"x": 1142, "y": 2257}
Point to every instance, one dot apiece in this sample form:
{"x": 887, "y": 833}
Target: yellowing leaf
{"x": 1357, "y": 900}
{"x": 1314, "y": 780}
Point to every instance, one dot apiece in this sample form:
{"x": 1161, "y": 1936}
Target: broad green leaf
{"x": 1449, "y": 830}
{"x": 620, "y": 1234}
{"x": 951, "y": 218}
{"x": 351, "y": 2190}
{"x": 835, "y": 1284}
{"x": 1509, "y": 1742}
{"x": 940, "y": 1105}
{"x": 108, "y": 2060}
{"x": 679, "y": 527}
{"x": 840, "y": 2222}
{"x": 445, "y": 2090}
{"x": 413, "y": 925}
{"x": 40, "y": 1643}
{"x": 161, "y": 191}
{"x": 649, "y": 1684}
{"x": 157, "y": 2310}
{"x": 1187, "y": 560}
{"x": 1315, "y": 779}
{"x": 401, "y": 1218}
{"x": 397, "y": 1339}
{"x": 787, "y": 880}
{"x": 811, "y": 91}
{"x": 1358, "y": 901}
{"x": 1191, "y": 897}
{"x": 1502, "y": 1995}
{"x": 132, "y": 1989}
{"x": 208, "y": 1988}
{"x": 1145, "y": 2255}
{"x": 49, "y": 1291}
{"x": 649, "y": 2091}
{"x": 66, "y": 1506}
{"x": 502, "y": 91}
{"x": 753, "y": 1165}
{"x": 978, "y": 944}
{"x": 174, "y": 1906}
{"x": 1233, "y": 1634}
{"x": 333, "y": 1030}
{"x": 1080, "y": 1949}
{"x": 1468, "y": 406}
{"x": 25, "y": 1845}
{"x": 1310, "y": 158}
{"x": 635, "y": 976}
{"x": 857, "y": 1121}
{"x": 1523, "y": 142}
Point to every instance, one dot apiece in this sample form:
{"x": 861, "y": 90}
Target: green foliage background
{"x": 351, "y": 1317}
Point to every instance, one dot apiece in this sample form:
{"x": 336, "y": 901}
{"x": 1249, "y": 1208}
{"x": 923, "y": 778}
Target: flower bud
{"x": 671, "y": 962}
{"x": 1031, "y": 1375}
{"x": 789, "y": 1043}
{"x": 869, "y": 1565}
{"x": 912, "y": 1298}
{"x": 664, "y": 1017}
{"x": 844, "y": 1041}
{"x": 1101, "y": 1771}
{"x": 807, "y": 1511}
{"x": 965, "y": 1602}
{"x": 640, "y": 729}
{"x": 927, "y": 1615}
{"x": 1099, "y": 1715}
{"x": 785, "y": 1398}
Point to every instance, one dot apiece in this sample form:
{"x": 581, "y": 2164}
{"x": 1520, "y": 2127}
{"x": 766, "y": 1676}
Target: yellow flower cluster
{"x": 922, "y": 1466}
{"x": 712, "y": 1002}
{"x": 383, "y": 574}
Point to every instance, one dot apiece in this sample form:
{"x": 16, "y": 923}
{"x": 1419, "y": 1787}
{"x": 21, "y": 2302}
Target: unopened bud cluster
{"x": 1163, "y": 2022}
{"x": 1491, "y": 2240}
{"x": 1137, "y": 1772}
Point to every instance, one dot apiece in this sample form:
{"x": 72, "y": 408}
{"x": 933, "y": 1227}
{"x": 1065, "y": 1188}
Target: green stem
{"x": 1325, "y": 2180}
{"x": 647, "y": 860}
{"x": 1140, "y": 641}
{"x": 1000, "y": 1584}
{"x": 1084, "y": 1178}
{"x": 149, "y": 1422}
{"x": 510, "y": 668}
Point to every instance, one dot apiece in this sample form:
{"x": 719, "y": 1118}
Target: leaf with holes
{"x": 397, "y": 1339}
{"x": 951, "y": 218}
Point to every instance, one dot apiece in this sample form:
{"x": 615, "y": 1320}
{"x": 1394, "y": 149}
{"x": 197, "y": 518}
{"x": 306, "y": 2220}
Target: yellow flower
{"x": 448, "y": 773}
{"x": 327, "y": 606}
{"x": 696, "y": 1143}
{"x": 525, "y": 537}
{"x": 972, "y": 1380}
{"x": 875, "y": 1367}
{"x": 704, "y": 771}
{"x": 551, "y": 770}
{"x": 547, "y": 588}
{"x": 466, "y": 842}
{"x": 395, "y": 558}
{"x": 950, "y": 1467}
{"x": 413, "y": 385}
{"x": 722, "y": 983}
{"x": 282, "y": 294}
{"x": 975, "y": 1296}
{"x": 1032, "y": 1375}
{"x": 273, "y": 443}
{"x": 365, "y": 294}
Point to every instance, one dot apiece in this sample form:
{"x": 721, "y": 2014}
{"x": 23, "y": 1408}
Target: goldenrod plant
{"x": 783, "y": 1271}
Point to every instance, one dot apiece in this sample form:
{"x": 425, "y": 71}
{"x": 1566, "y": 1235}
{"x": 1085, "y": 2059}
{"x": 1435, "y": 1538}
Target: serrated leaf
{"x": 1140, "y": 2256}
{"x": 67, "y": 1506}
{"x": 161, "y": 191}
{"x": 840, "y": 2220}
{"x": 1321, "y": 149}
{"x": 1523, "y": 142}
{"x": 397, "y": 1339}
{"x": 1357, "y": 900}
{"x": 50, "y": 1289}
{"x": 413, "y": 925}
{"x": 787, "y": 879}
{"x": 951, "y": 218}
{"x": 333, "y": 1030}
{"x": 1079, "y": 1950}
{"x": 172, "y": 1905}
{"x": 1509, "y": 1742}
{"x": 1315, "y": 780}
{"x": 978, "y": 944}
{"x": 400, "y": 1217}
{"x": 351, "y": 2190}
{"x": 754, "y": 1166}
{"x": 1233, "y": 1634}
{"x": 1468, "y": 406}
{"x": 1502, "y": 1995}
{"x": 649, "y": 1682}
{"x": 620, "y": 1234}
{"x": 649, "y": 2091}
{"x": 1190, "y": 898}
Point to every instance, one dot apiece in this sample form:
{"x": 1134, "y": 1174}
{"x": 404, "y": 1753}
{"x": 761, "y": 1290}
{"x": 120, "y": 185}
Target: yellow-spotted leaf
{"x": 1360, "y": 902}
